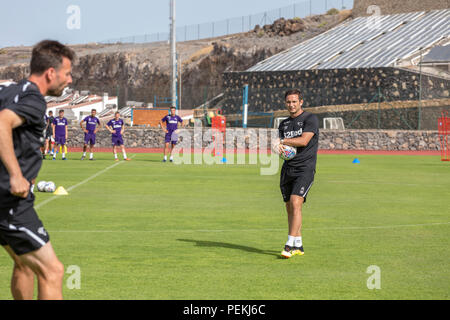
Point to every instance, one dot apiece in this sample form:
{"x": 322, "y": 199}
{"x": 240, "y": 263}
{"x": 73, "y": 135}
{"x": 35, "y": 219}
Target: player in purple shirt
{"x": 92, "y": 126}
{"x": 116, "y": 127}
{"x": 171, "y": 137}
{"x": 60, "y": 133}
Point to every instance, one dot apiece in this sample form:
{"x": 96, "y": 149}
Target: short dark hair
{"x": 173, "y": 108}
{"x": 94, "y": 110}
{"x": 62, "y": 110}
{"x": 49, "y": 54}
{"x": 50, "y": 111}
{"x": 294, "y": 91}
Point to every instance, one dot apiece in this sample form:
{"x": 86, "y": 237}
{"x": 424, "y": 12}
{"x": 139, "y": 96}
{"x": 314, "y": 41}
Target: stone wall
{"x": 133, "y": 138}
{"x": 328, "y": 87}
{"x": 329, "y": 139}
{"x": 379, "y": 140}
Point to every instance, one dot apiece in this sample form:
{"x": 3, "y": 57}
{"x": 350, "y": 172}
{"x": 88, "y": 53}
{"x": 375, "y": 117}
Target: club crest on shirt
{"x": 42, "y": 231}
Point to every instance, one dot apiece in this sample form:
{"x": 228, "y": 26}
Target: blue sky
{"x": 27, "y": 22}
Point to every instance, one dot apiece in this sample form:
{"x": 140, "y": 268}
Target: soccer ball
{"x": 287, "y": 152}
{"x": 41, "y": 186}
{"x": 50, "y": 187}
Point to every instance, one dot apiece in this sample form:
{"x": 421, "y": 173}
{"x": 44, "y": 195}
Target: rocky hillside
{"x": 138, "y": 72}
{"x": 399, "y": 6}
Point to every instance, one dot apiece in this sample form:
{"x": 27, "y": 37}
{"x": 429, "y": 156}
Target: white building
{"x": 78, "y": 105}
{"x": 6, "y": 82}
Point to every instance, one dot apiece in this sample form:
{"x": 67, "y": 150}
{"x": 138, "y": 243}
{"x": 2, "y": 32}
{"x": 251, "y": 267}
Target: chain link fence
{"x": 238, "y": 24}
{"x": 379, "y": 108}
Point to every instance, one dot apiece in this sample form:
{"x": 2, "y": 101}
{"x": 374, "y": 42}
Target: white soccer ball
{"x": 41, "y": 186}
{"x": 287, "y": 152}
{"x": 50, "y": 187}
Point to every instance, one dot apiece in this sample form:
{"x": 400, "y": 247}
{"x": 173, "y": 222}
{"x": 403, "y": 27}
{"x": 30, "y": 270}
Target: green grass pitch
{"x": 150, "y": 230}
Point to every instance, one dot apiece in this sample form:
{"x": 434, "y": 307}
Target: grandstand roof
{"x": 364, "y": 42}
{"x": 438, "y": 54}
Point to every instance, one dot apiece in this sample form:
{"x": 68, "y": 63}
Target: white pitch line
{"x": 80, "y": 183}
{"x": 248, "y": 230}
{"x": 381, "y": 183}
{"x": 384, "y": 227}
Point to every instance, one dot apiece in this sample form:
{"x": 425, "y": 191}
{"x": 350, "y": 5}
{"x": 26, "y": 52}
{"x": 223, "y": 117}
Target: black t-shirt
{"x": 49, "y": 125}
{"x": 294, "y": 127}
{"x": 25, "y": 99}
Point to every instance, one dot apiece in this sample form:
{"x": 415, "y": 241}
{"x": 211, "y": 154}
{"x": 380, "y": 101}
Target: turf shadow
{"x": 203, "y": 243}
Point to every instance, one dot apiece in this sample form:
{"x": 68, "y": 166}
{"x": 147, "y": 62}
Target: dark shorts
{"x": 296, "y": 181}
{"x": 61, "y": 140}
{"x": 49, "y": 135}
{"x": 171, "y": 137}
{"x": 117, "y": 140}
{"x": 21, "y": 228}
{"x": 89, "y": 138}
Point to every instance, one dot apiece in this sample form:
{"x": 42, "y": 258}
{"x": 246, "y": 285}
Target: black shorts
{"x": 21, "y": 229}
{"x": 296, "y": 181}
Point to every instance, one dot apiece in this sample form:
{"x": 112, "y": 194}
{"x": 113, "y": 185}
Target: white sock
{"x": 115, "y": 155}
{"x": 91, "y": 155}
{"x": 84, "y": 154}
{"x": 290, "y": 241}
{"x": 125, "y": 155}
{"x": 165, "y": 157}
{"x": 171, "y": 158}
{"x": 63, "y": 155}
{"x": 298, "y": 242}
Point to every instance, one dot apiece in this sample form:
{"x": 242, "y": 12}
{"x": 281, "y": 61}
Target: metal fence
{"x": 360, "y": 108}
{"x": 239, "y": 24}
{"x": 189, "y": 97}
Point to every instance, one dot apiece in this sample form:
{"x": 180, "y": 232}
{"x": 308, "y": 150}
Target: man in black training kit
{"x": 300, "y": 130}
{"x": 49, "y": 141}
{"x": 22, "y": 129}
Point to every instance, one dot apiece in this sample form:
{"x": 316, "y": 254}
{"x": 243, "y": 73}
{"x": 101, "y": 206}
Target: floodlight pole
{"x": 420, "y": 91}
{"x": 173, "y": 56}
{"x": 179, "y": 82}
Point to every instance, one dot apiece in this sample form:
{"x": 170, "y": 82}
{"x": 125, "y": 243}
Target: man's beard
{"x": 57, "y": 92}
